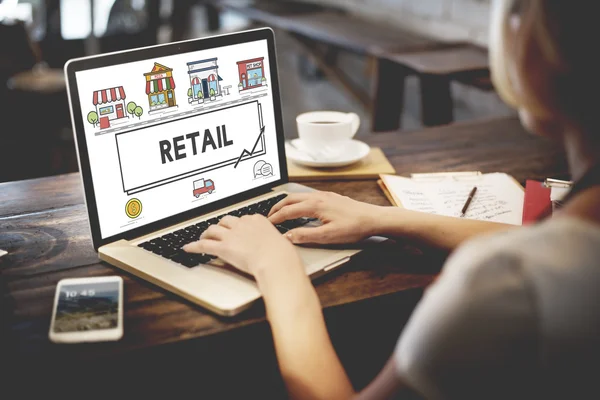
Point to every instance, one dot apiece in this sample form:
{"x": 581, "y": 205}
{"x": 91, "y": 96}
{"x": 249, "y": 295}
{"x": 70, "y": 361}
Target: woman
{"x": 514, "y": 314}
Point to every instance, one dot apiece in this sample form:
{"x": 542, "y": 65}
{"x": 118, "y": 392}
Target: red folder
{"x": 537, "y": 203}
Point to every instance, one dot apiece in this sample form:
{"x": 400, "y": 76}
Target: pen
{"x": 464, "y": 209}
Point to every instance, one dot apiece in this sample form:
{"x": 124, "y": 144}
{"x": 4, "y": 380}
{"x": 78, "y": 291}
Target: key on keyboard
{"x": 170, "y": 245}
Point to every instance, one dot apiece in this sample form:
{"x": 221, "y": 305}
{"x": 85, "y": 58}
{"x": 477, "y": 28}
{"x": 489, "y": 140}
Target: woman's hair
{"x": 553, "y": 54}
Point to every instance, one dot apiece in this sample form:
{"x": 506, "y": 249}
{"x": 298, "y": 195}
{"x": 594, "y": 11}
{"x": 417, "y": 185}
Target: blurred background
{"x": 37, "y": 37}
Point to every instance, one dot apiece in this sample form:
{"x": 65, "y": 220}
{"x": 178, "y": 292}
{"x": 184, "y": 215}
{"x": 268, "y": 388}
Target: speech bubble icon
{"x": 267, "y": 169}
{"x": 258, "y": 168}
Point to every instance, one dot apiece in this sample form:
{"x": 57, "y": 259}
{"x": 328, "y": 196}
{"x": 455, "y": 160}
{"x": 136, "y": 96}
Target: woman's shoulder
{"x": 564, "y": 244}
{"x": 557, "y": 266}
{"x": 500, "y": 306}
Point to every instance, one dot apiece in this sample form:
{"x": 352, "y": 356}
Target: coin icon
{"x": 133, "y": 208}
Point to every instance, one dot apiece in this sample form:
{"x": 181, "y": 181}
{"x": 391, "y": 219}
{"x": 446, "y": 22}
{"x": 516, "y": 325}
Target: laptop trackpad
{"x": 315, "y": 259}
{"x": 313, "y": 255}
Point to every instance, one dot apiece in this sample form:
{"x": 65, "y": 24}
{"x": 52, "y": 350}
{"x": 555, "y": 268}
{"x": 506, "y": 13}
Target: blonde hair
{"x": 552, "y": 36}
{"x": 499, "y": 32}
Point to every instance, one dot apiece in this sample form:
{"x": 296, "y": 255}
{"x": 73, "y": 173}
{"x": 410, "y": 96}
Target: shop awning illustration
{"x": 211, "y": 78}
{"x": 108, "y": 95}
{"x": 160, "y": 85}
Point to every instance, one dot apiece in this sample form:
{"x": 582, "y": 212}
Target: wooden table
{"x": 177, "y": 345}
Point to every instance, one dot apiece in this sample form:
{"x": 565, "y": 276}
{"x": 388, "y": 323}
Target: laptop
{"x": 170, "y": 139}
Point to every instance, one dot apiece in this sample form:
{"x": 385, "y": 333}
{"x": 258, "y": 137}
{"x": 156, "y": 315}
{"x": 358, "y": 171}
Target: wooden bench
{"x": 324, "y": 31}
{"x": 436, "y": 69}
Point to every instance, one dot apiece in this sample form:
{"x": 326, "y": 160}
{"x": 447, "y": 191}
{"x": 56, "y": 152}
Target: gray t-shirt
{"x": 512, "y": 315}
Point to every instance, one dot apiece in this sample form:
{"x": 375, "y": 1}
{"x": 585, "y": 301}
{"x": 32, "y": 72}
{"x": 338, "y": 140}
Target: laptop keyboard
{"x": 170, "y": 245}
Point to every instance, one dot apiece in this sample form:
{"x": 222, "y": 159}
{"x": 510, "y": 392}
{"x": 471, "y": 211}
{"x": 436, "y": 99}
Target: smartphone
{"x": 87, "y": 310}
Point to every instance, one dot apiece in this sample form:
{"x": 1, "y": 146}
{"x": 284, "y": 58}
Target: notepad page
{"x": 498, "y": 198}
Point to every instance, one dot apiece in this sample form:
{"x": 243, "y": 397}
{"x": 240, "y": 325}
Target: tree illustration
{"x": 131, "y": 106}
{"x": 190, "y": 92}
{"x": 212, "y": 93}
{"x": 138, "y": 111}
{"x": 200, "y": 94}
{"x": 92, "y": 118}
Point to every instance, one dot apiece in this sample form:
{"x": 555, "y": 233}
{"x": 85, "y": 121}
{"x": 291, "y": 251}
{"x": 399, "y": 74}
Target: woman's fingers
{"x": 290, "y": 199}
{"x": 214, "y": 232}
{"x": 293, "y": 211}
{"x": 206, "y": 246}
{"x": 319, "y": 235}
{"x": 229, "y": 221}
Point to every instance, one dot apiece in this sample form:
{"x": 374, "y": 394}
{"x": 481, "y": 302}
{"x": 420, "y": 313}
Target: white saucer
{"x": 353, "y": 151}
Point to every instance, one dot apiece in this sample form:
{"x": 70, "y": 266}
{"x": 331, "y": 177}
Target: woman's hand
{"x": 344, "y": 220}
{"x": 250, "y": 243}
{"x": 253, "y": 245}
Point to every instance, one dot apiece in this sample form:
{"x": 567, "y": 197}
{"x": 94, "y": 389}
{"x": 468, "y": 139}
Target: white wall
{"x": 449, "y": 20}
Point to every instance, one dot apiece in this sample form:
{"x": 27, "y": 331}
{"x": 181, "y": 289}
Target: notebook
{"x": 374, "y": 164}
{"x": 499, "y": 197}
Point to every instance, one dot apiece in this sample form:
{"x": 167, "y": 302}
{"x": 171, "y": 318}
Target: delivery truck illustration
{"x": 203, "y": 186}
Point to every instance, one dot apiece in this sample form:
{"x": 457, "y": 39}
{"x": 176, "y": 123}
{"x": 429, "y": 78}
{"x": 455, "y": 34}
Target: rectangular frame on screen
{"x": 218, "y": 165}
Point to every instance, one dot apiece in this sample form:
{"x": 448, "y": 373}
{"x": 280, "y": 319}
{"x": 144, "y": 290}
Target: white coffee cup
{"x": 327, "y": 128}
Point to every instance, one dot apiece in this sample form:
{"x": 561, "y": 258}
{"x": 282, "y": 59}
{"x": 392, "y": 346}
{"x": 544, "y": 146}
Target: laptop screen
{"x": 171, "y": 134}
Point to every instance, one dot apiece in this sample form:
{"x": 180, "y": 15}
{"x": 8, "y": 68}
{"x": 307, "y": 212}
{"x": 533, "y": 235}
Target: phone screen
{"x": 87, "y": 307}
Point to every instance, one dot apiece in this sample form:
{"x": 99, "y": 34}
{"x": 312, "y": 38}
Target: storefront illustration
{"x": 110, "y": 106}
{"x": 251, "y": 73}
{"x": 204, "y": 80}
{"x": 160, "y": 88}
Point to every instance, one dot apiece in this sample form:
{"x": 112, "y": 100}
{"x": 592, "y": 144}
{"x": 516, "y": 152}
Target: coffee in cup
{"x": 333, "y": 129}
